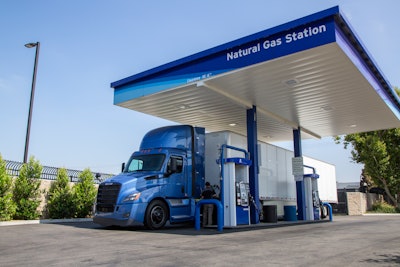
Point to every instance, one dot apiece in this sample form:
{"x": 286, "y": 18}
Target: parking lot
{"x": 347, "y": 241}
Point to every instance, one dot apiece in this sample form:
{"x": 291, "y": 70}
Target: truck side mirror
{"x": 172, "y": 166}
{"x": 123, "y": 167}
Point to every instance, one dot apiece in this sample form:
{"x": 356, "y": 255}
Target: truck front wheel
{"x": 156, "y": 215}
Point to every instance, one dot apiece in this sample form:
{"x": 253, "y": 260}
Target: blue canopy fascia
{"x": 213, "y": 61}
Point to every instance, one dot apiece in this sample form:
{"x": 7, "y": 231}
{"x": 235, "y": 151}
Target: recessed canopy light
{"x": 353, "y": 125}
{"x": 290, "y": 83}
{"x": 232, "y": 124}
{"x": 327, "y": 108}
{"x": 183, "y": 106}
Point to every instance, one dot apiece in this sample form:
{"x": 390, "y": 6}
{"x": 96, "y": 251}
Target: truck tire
{"x": 156, "y": 215}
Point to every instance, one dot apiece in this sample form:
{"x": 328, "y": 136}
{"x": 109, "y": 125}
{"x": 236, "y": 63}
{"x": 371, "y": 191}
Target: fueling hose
{"x": 251, "y": 198}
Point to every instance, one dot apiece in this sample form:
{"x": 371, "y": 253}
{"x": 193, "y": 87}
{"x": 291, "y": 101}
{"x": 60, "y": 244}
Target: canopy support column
{"x": 253, "y": 170}
{"x": 300, "y": 193}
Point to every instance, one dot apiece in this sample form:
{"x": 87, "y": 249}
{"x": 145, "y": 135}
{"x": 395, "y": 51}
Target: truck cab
{"x": 159, "y": 183}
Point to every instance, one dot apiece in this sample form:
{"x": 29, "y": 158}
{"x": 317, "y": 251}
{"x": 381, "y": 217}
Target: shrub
{"x": 84, "y": 194}
{"x": 60, "y": 202}
{"x": 383, "y": 207}
{"x": 7, "y": 205}
{"x": 26, "y": 193}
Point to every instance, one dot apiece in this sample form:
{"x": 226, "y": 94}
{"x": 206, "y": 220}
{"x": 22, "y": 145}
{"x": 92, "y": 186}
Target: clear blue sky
{"x": 86, "y": 45}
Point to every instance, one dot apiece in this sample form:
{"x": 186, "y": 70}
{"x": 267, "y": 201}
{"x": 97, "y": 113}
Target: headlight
{"x": 131, "y": 197}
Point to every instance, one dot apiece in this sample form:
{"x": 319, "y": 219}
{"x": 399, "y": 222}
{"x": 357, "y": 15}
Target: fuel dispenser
{"x": 235, "y": 187}
{"x": 242, "y": 203}
{"x": 313, "y": 206}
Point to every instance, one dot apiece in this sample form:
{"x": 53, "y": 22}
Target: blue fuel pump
{"x": 235, "y": 187}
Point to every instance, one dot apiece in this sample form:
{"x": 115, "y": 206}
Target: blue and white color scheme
{"x": 312, "y": 75}
{"x": 260, "y": 47}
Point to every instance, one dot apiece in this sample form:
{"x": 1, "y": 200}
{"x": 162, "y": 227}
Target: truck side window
{"x": 179, "y": 164}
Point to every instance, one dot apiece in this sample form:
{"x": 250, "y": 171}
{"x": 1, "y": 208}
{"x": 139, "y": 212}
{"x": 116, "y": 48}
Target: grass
{"x": 383, "y": 207}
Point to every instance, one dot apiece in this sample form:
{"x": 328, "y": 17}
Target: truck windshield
{"x": 152, "y": 162}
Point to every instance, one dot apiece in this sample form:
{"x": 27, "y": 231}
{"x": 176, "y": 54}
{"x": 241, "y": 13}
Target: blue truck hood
{"x": 132, "y": 179}
{"x": 136, "y": 182}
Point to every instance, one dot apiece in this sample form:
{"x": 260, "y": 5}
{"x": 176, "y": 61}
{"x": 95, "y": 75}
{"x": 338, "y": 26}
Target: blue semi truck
{"x": 159, "y": 183}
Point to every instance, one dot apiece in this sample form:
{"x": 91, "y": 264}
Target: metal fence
{"x": 50, "y": 173}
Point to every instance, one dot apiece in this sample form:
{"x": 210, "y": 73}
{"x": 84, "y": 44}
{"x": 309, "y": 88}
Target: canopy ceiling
{"x": 326, "y": 89}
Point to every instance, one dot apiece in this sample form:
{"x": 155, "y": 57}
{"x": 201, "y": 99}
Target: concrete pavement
{"x": 347, "y": 241}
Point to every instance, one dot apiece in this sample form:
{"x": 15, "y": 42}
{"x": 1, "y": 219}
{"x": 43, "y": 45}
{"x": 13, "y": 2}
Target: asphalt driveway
{"x": 347, "y": 241}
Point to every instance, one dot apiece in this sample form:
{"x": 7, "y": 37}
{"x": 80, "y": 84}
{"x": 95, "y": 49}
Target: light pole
{"x": 28, "y": 128}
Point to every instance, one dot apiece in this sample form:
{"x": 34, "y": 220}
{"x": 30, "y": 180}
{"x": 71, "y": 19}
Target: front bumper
{"x": 123, "y": 215}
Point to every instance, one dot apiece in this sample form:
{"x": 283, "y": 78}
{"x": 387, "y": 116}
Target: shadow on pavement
{"x": 384, "y": 258}
{"x": 188, "y": 228}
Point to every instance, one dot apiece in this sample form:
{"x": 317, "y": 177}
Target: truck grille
{"x": 107, "y": 197}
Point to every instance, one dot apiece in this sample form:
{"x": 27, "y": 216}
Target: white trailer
{"x": 276, "y": 181}
{"x": 277, "y": 185}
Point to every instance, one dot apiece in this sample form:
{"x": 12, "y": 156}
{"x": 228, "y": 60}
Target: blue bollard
{"x": 330, "y": 210}
{"x": 220, "y": 213}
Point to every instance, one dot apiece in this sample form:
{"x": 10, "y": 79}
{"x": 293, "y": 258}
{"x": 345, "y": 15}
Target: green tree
{"x": 60, "y": 202}
{"x": 84, "y": 194}
{"x": 7, "y": 205}
{"x": 26, "y": 193}
{"x": 379, "y": 151}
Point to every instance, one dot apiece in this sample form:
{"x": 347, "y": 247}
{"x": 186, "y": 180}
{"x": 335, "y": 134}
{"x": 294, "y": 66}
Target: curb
{"x": 45, "y": 221}
{"x": 381, "y": 214}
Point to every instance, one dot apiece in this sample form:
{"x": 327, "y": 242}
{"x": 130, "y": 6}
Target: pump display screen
{"x": 152, "y": 162}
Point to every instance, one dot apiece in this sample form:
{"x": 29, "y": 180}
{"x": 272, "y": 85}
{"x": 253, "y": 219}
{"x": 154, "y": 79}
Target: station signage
{"x": 278, "y": 42}
{"x": 264, "y": 49}
{"x": 244, "y": 52}
{"x": 297, "y": 166}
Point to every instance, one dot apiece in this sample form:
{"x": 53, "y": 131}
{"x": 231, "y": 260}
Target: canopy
{"x": 312, "y": 73}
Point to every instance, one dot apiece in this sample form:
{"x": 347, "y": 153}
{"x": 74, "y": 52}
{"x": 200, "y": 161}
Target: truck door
{"x": 177, "y": 188}
{"x": 180, "y": 204}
